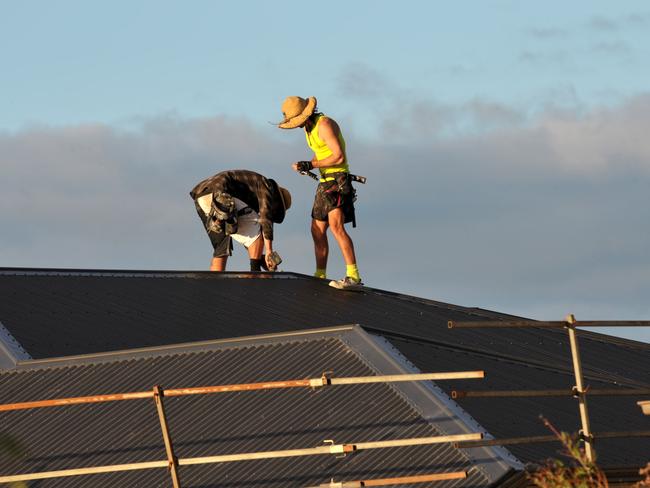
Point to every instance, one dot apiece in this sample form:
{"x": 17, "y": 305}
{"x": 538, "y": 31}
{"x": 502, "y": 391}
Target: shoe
{"x": 348, "y": 283}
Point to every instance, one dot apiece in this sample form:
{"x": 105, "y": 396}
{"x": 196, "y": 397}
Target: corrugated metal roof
{"x": 520, "y": 417}
{"x": 128, "y": 431}
{"x": 57, "y": 313}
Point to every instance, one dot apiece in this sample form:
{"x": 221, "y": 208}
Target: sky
{"x": 505, "y": 142}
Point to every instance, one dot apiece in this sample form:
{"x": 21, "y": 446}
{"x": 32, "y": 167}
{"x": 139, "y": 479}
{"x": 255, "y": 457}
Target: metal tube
{"x": 624, "y": 435}
{"x": 172, "y": 461}
{"x": 489, "y": 324}
{"x": 507, "y": 441}
{"x": 645, "y": 407}
{"x": 114, "y": 468}
{"x": 328, "y": 449}
{"x": 269, "y": 385}
{"x": 547, "y": 438}
{"x": 580, "y": 389}
{"x": 408, "y": 377}
{"x": 423, "y": 478}
{"x": 60, "y": 402}
{"x": 547, "y": 393}
{"x": 418, "y": 441}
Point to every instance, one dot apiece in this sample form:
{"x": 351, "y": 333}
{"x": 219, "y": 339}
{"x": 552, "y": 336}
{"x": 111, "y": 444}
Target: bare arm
{"x": 328, "y": 131}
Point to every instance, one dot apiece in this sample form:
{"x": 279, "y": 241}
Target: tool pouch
{"x": 223, "y": 215}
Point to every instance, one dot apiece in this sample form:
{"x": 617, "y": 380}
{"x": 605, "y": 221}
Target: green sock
{"x": 352, "y": 271}
{"x": 320, "y": 273}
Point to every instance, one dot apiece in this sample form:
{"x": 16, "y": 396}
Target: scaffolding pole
{"x": 322, "y": 381}
{"x": 456, "y": 394}
{"x": 645, "y": 407}
{"x": 580, "y": 389}
{"x": 552, "y": 324}
{"x": 547, "y": 438}
{"x": 340, "y": 449}
{"x": 337, "y": 449}
{"x": 570, "y": 324}
{"x": 172, "y": 461}
{"x": 405, "y": 480}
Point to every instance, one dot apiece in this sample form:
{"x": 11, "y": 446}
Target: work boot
{"x": 348, "y": 283}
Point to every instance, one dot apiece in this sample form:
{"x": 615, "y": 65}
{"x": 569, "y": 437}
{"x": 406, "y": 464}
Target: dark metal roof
{"x": 65, "y": 312}
{"x": 520, "y": 417}
{"x": 128, "y": 431}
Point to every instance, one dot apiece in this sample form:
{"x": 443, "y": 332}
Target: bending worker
{"x": 241, "y": 205}
{"x": 334, "y": 201}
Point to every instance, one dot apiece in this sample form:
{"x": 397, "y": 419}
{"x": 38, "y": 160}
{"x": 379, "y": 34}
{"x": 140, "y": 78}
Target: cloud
{"x": 639, "y": 20}
{"x": 476, "y": 204}
{"x": 604, "y": 24}
{"x": 614, "y": 48}
{"x": 546, "y": 33}
{"x": 360, "y": 81}
{"x": 537, "y": 57}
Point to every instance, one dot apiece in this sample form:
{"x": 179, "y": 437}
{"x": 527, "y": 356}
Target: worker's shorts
{"x": 248, "y": 226}
{"x": 334, "y": 194}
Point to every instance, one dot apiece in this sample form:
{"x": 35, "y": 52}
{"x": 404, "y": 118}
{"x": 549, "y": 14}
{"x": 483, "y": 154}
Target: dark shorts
{"x": 221, "y": 242}
{"x": 334, "y": 194}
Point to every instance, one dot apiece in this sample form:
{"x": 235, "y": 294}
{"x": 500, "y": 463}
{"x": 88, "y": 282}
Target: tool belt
{"x": 332, "y": 177}
{"x": 223, "y": 214}
{"x": 343, "y": 187}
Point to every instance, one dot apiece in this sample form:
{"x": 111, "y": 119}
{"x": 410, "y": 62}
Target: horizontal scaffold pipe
{"x": 558, "y": 324}
{"x": 330, "y": 449}
{"x": 338, "y": 449}
{"x": 405, "y": 480}
{"x": 645, "y": 407}
{"x": 269, "y": 385}
{"x": 548, "y": 438}
{"x": 456, "y": 394}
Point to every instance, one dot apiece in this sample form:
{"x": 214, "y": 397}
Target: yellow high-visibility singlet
{"x": 321, "y": 150}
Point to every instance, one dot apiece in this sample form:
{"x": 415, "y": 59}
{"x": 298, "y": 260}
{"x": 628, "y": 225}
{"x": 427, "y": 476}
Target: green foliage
{"x": 579, "y": 473}
{"x": 11, "y": 447}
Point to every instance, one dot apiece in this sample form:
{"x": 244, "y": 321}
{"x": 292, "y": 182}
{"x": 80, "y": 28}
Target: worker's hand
{"x": 302, "y": 166}
{"x": 269, "y": 262}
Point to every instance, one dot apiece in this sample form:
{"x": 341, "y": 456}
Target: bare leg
{"x": 321, "y": 246}
{"x": 218, "y": 264}
{"x": 336, "y": 219}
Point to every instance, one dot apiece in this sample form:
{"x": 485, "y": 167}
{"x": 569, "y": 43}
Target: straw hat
{"x": 296, "y": 111}
{"x": 286, "y": 197}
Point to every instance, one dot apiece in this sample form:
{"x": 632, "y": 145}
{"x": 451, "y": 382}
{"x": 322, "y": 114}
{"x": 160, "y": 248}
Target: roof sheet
{"x": 56, "y": 313}
{"x": 519, "y": 417}
{"x": 128, "y": 431}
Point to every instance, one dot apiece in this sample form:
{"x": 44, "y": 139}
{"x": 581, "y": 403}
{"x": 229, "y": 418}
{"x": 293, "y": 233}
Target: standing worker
{"x": 241, "y": 205}
{"x": 334, "y": 201}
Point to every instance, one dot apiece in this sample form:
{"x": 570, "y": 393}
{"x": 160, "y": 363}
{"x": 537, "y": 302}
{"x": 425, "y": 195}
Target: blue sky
{"x": 505, "y": 142}
{"x": 79, "y": 61}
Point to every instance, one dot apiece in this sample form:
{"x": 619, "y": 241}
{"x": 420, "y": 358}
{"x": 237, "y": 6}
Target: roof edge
{"x": 448, "y": 417}
{"x": 11, "y": 352}
{"x": 132, "y": 273}
{"x": 184, "y": 347}
{"x": 126, "y": 273}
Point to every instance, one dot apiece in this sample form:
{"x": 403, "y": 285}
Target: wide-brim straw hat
{"x": 286, "y": 198}
{"x": 296, "y": 111}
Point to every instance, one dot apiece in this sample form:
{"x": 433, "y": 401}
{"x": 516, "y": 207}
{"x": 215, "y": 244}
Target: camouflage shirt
{"x": 259, "y": 193}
